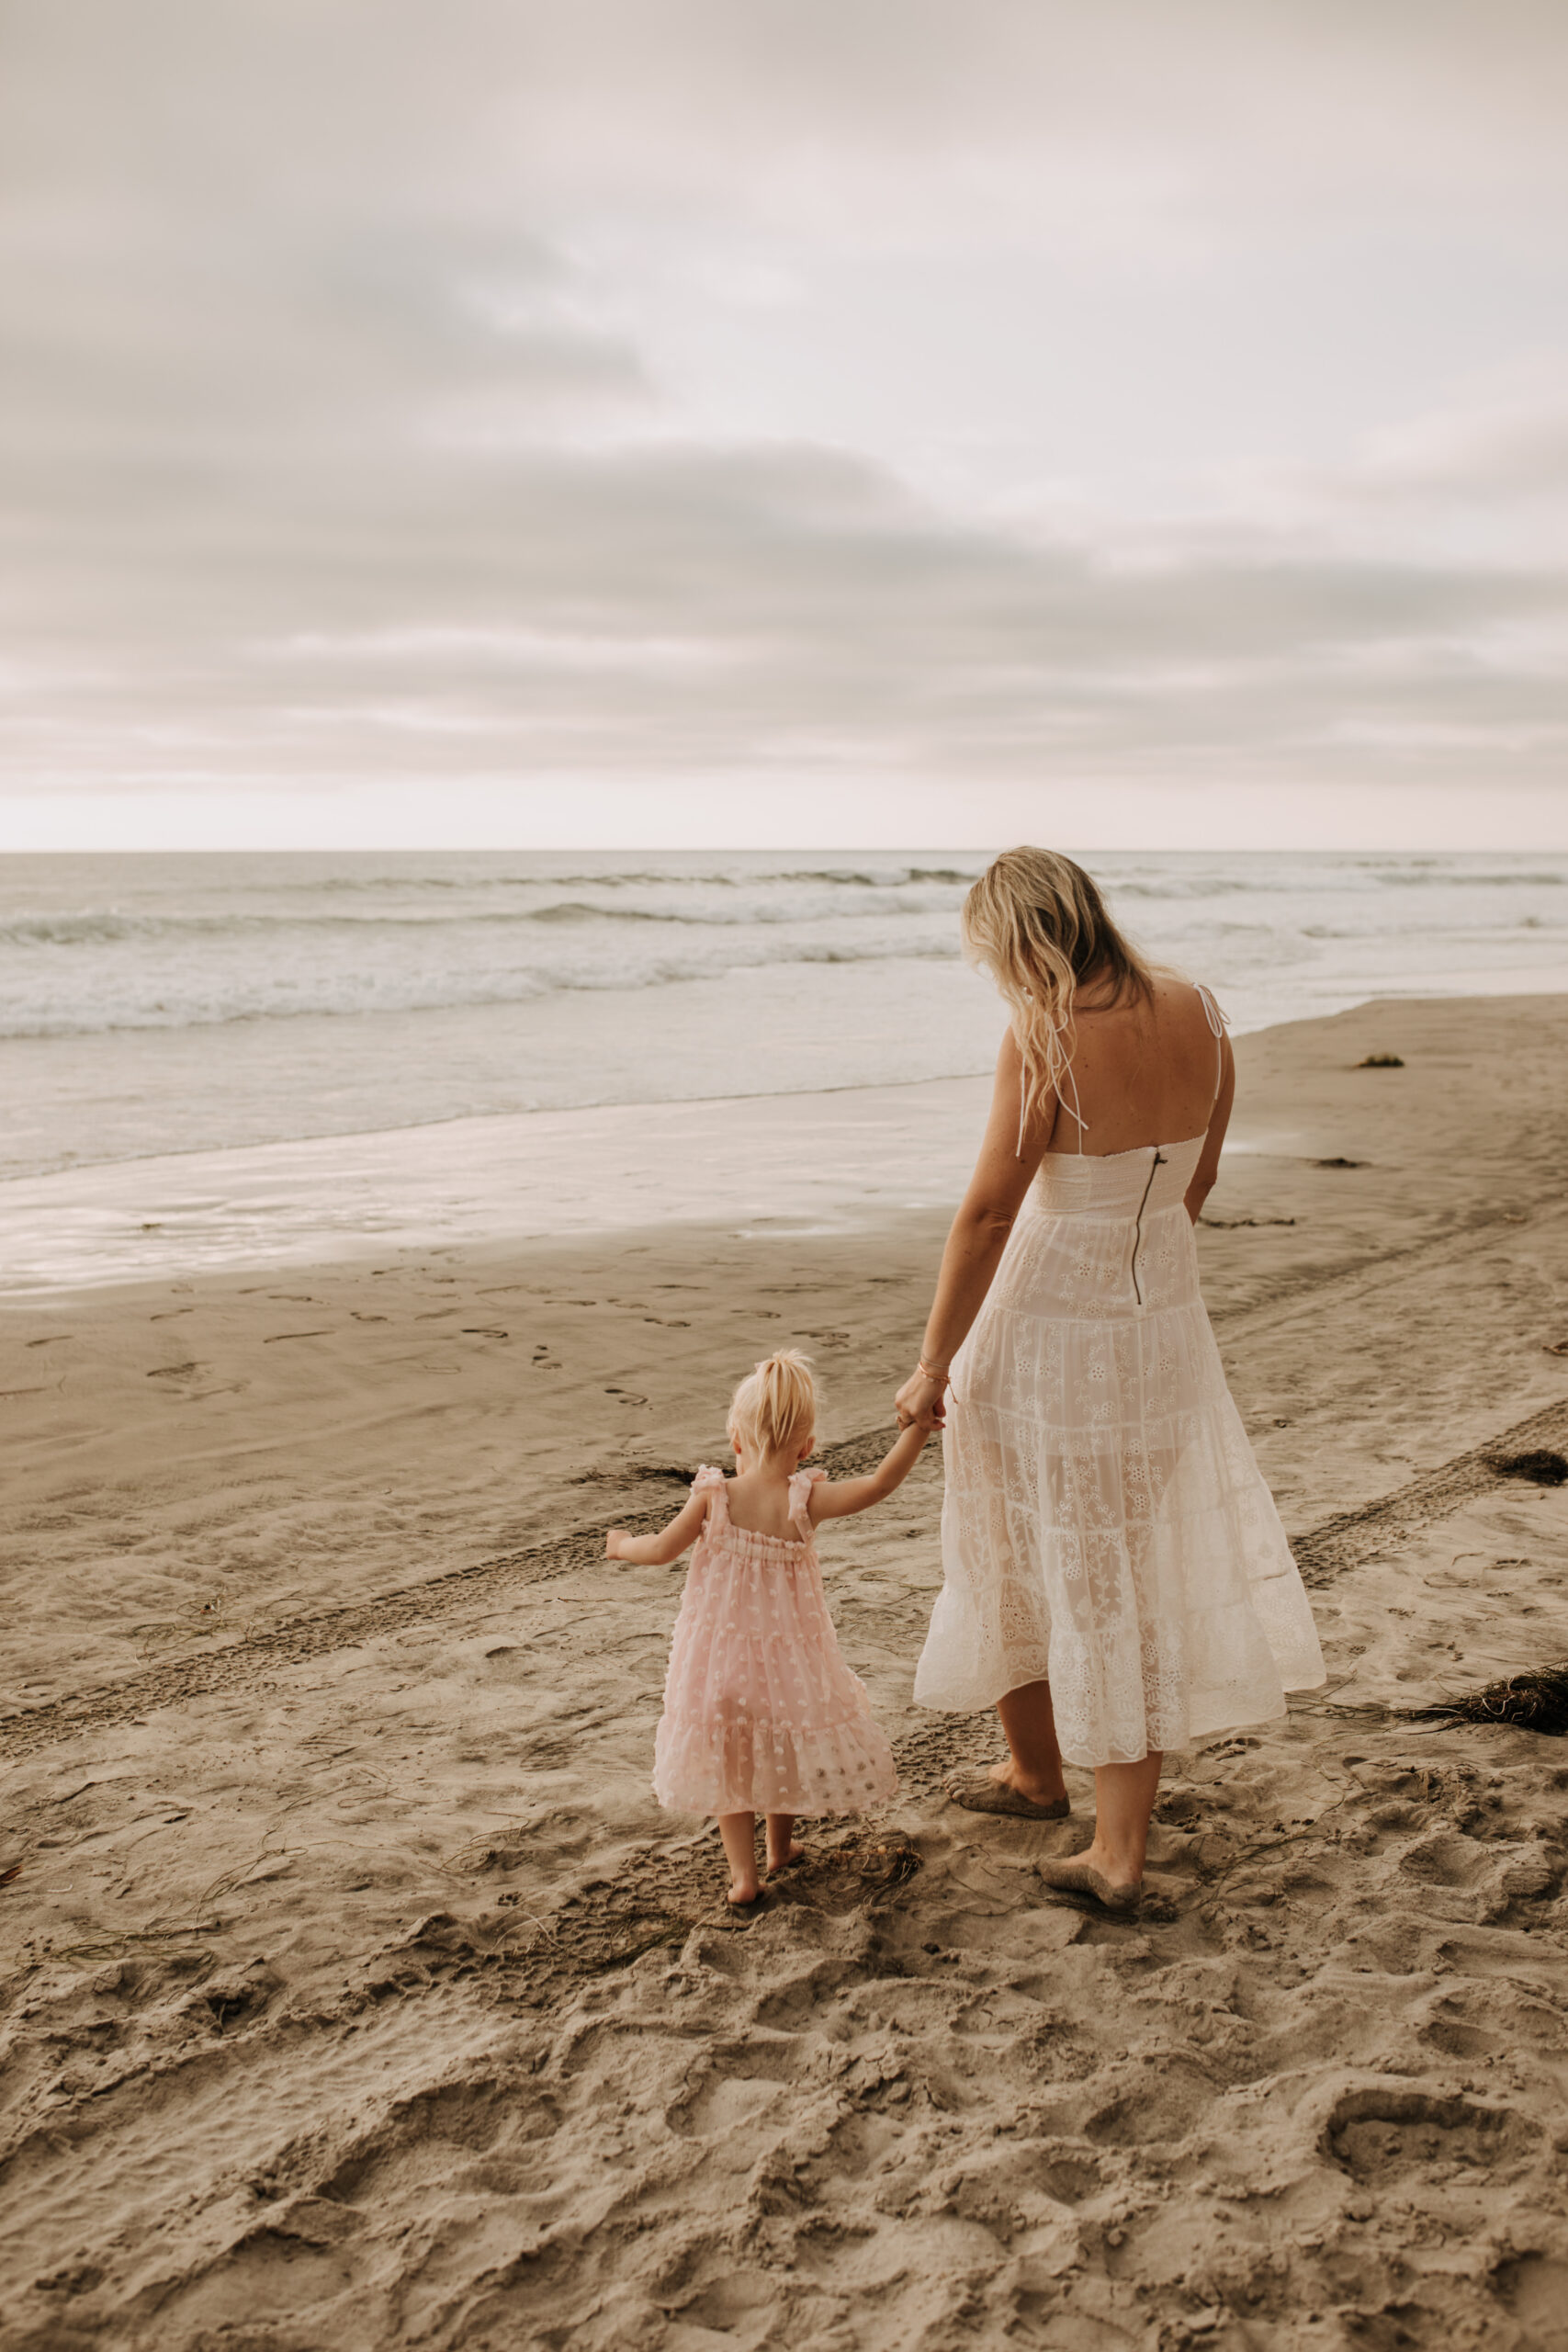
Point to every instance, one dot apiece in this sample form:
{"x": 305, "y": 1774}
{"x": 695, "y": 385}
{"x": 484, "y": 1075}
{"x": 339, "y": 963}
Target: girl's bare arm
{"x": 658, "y": 1551}
{"x": 838, "y": 1497}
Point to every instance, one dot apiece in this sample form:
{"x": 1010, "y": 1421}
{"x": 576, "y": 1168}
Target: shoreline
{"x": 501, "y": 1178}
{"x": 348, "y": 1952}
{"x": 1509, "y": 989}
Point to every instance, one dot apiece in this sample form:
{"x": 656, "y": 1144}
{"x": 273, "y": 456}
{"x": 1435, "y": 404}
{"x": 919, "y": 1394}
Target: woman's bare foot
{"x": 1008, "y": 1774}
{"x": 1094, "y": 1871}
{"x": 1078, "y": 1877}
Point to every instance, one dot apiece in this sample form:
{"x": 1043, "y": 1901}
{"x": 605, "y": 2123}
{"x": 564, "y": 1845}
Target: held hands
{"x": 921, "y": 1403}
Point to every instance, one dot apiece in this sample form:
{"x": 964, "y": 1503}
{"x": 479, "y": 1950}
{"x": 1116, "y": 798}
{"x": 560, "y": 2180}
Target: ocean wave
{"x": 865, "y": 875}
{"x": 397, "y": 904}
{"x": 110, "y": 927}
{"x": 121, "y": 944}
{"x": 449, "y": 992}
{"x": 578, "y": 910}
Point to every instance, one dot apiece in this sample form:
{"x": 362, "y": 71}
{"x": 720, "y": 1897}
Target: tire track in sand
{"x": 1335, "y": 1545}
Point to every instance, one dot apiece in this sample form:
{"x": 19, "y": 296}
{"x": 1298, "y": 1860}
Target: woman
{"x": 1117, "y": 1580}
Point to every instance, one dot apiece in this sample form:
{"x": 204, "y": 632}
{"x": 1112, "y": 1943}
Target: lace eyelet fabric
{"x": 761, "y": 1713}
{"x": 1105, "y": 1526}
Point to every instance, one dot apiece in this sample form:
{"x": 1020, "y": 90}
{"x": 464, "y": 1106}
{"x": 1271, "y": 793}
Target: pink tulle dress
{"x": 761, "y": 1712}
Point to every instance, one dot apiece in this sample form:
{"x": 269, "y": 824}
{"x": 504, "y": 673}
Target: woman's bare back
{"x": 1145, "y": 1071}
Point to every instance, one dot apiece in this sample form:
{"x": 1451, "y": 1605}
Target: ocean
{"x": 197, "y": 1021}
{"x": 183, "y": 1003}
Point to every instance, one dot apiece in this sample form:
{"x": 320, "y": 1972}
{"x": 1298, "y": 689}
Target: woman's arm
{"x": 1208, "y": 1168}
{"x": 1003, "y": 1174}
{"x": 658, "y": 1551}
{"x": 837, "y": 1497}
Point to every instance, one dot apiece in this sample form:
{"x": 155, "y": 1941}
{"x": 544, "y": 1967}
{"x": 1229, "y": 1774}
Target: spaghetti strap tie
{"x": 1074, "y": 1112}
{"x": 1218, "y": 1021}
{"x": 1059, "y": 1073}
{"x": 1073, "y": 1109}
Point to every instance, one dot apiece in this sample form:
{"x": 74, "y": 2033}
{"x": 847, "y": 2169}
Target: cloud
{"x": 668, "y": 390}
{"x": 1502, "y": 449}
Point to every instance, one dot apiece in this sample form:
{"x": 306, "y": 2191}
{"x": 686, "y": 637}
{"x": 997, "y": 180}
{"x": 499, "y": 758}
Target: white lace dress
{"x": 1105, "y": 1528}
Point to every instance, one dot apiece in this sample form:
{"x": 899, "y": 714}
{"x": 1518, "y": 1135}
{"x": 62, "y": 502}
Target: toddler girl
{"x": 761, "y": 1712}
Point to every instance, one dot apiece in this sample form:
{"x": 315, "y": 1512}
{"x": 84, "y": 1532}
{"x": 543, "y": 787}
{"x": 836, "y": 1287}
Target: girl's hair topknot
{"x": 775, "y": 1406}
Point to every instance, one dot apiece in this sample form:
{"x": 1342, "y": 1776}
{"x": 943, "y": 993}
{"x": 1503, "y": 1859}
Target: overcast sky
{"x": 870, "y": 421}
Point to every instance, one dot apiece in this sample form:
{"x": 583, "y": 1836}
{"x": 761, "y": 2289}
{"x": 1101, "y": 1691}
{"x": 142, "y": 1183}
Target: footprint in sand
{"x": 1378, "y": 2134}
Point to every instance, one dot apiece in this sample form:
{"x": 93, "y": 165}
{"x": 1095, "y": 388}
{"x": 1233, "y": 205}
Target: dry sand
{"x": 357, "y": 1994}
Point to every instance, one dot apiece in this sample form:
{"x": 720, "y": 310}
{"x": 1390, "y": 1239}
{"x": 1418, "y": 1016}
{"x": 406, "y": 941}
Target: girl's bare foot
{"x": 779, "y": 1840}
{"x": 739, "y": 1832}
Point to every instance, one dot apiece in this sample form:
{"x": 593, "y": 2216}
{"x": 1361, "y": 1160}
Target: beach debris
{"x": 1556, "y": 1347}
{"x": 1341, "y": 1163}
{"x": 1382, "y": 1061}
{"x": 1541, "y": 1467}
{"x": 116, "y": 1943}
{"x": 164, "y": 1632}
{"x": 1535, "y": 1701}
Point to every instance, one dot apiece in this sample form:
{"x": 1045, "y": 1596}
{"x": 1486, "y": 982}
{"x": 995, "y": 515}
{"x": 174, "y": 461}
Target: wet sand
{"x": 357, "y": 1992}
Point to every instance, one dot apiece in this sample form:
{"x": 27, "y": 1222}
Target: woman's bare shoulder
{"x": 1176, "y": 998}
{"x": 1169, "y": 998}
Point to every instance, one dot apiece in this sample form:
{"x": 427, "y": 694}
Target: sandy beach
{"x": 356, "y": 1991}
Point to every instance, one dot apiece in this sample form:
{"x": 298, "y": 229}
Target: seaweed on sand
{"x": 1545, "y": 1468}
{"x": 1535, "y": 1701}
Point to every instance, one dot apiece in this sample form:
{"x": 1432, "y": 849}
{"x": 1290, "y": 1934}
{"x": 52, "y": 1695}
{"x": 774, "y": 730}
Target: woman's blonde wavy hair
{"x": 1038, "y": 924}
{"x": 774, "y": 1406}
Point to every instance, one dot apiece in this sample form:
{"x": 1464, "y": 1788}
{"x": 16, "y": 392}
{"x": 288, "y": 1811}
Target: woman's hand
{"x": 921, "y": 1403}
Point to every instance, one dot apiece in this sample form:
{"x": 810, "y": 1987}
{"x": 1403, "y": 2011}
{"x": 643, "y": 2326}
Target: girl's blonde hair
{"x": 1038, "y": 924}
{"x": 775, "y": 1407}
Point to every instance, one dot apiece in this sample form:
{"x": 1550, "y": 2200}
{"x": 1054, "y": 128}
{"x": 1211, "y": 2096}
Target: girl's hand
{"x": 613, "y": 1542}
{"x": 921, "y": 1403}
